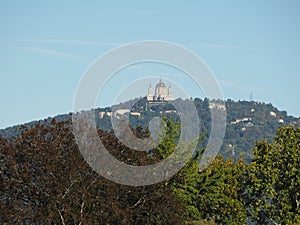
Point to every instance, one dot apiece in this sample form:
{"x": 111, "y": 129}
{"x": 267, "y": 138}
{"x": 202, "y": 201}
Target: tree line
{"x": 45, "y": 180}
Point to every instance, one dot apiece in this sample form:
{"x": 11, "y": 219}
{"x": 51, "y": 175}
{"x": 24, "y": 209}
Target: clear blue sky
{"x": 46, "y": 46}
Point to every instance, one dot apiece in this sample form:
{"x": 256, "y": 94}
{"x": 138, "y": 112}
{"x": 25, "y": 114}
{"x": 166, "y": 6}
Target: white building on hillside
{"x": 161, "y": 92}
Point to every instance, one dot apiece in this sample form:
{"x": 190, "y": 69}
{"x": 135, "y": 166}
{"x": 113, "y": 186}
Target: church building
{"x": 161, "y": 92}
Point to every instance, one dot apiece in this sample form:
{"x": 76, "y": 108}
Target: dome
{"x": 160, "y": 84}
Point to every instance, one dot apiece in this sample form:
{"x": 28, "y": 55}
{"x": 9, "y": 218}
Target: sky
{"x": 46, "y": 48}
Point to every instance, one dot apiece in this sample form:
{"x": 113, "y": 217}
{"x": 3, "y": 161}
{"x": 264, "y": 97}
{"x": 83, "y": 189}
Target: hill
{"x": 247, "y": 122}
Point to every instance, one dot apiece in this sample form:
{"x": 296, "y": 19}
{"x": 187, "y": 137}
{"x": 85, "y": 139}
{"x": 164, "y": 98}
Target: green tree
{"x": 213, "y": 194}
{"x": 184, "y": 183}
{"x": 272, "y": 181}
{"x": 170, "y": 136}
{"x": 220, "y": 192}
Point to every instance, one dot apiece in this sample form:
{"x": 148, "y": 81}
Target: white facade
{"x": 161, "y": 92}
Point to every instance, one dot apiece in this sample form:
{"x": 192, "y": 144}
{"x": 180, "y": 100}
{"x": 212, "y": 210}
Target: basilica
{"x": 161, "y": 92}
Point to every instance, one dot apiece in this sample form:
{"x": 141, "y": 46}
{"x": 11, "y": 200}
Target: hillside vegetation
{"x": 247, "y": 122}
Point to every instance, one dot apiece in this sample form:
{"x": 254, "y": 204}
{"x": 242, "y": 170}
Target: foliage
{"x": 212, "y": 194}
{"x": 170, "y": 136}
{"x": 220, "y": 192}
{"x": 273, "y": 179}
{"x": 44, "y": 180}
{"x": 267, "y": 191}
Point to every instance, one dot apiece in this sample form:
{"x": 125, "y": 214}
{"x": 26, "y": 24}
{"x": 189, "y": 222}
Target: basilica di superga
{"x": 161, "y": 92}
{"x": 161, "y": 95}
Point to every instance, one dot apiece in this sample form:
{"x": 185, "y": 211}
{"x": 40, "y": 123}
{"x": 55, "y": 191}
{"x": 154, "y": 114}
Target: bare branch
{"x": 81, "y": 212}
{"x": 139, "y": 201}
{"x": 61, "y": 217}
{"x": 68, "y": 190}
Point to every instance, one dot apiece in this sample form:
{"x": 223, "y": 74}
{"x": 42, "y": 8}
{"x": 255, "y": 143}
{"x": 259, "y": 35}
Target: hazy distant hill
{"x": 247, "y": 122}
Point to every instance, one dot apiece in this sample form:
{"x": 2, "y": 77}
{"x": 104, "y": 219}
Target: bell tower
{"x": 150, "y": 95}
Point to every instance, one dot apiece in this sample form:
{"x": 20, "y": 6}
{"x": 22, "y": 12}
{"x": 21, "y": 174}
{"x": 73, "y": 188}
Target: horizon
{"x": 46, "y": 48}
